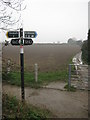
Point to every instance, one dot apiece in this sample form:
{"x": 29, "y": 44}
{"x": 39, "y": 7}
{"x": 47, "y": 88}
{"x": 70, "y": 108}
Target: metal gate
{"x": 78, "y": 76}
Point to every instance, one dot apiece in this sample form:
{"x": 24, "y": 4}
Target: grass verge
{"x": 14, "y": 78}
{"x": 44, "y": 78}
{"x": 13, "y": 108}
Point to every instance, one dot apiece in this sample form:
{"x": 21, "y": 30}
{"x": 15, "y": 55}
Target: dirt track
{"x": 62, "y": 104}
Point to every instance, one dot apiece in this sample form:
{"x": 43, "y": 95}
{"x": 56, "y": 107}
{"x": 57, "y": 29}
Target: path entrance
{"x": 62, "y": 104}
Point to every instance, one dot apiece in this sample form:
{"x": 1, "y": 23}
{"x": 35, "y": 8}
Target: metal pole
{"x": 22, "y": 64}
{"x": 69, "y": 81}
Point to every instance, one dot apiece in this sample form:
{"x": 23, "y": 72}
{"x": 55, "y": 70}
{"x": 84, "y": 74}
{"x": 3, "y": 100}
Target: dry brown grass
{"x": 48, "y": 57}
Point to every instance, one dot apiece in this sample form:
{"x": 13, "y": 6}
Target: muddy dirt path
{"x": 62, "y": 104}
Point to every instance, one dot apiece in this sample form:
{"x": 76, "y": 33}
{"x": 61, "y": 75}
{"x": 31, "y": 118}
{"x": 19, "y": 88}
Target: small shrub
{"x": 13, "y": 108}
{"x": 72, "y": 88}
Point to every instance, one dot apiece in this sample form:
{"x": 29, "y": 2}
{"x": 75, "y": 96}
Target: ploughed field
{"x": 49, "y": 57}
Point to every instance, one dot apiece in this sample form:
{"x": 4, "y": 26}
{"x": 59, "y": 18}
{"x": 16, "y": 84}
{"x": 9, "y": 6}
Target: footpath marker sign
{"x": 30, "y": 34}
{"x": 25, "y": 41}
{"x": 28, "y": 41}
{"x": 21, "y": 41}
{"x": 15, "y": 41}
{"x": 12, "y": 34}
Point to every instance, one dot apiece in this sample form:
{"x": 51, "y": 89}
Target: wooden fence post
{"x": 69, "y": 80}
{"x": 8, "y": 66}
{"x": 36, "y": 72}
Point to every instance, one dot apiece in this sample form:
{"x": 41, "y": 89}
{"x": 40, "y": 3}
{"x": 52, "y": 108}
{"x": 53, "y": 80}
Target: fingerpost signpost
{"x": 19, "y": 40}
{"x": 22, "y": 64}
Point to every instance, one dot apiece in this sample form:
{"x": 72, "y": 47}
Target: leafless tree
{"x": 10, "y": 13}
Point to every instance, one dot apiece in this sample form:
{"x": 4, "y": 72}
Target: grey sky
{"x": 89, "y": 14}
{"x": 56, "y": 20}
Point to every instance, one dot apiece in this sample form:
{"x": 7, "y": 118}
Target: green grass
{"x": 13, "y": 78}
{"x": 72, "y": 88}
{"x": 13, "y": 108}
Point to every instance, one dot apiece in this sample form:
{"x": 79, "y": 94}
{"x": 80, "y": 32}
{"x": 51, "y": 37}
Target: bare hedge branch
{"x": 10, "y": 13}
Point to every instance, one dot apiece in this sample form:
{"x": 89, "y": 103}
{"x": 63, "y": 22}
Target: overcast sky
{"x": 56, "y": 20}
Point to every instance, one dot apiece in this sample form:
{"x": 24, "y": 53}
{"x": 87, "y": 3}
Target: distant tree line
{"x": 72, "y": 41}
{"x": 84, "y": 47}
{"x": 85, "y": 51}
{"x": 89, "y": 47}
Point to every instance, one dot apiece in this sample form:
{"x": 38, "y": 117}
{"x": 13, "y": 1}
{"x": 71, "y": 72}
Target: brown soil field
{"x": 49, "y": 57}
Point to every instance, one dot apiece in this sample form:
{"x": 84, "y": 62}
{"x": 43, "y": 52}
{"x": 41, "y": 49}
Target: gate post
{"x": 69, "y": 80}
